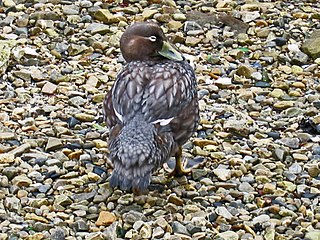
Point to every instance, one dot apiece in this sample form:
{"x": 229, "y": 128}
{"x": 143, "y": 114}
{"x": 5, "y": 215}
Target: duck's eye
{"x": 153, "y": 38}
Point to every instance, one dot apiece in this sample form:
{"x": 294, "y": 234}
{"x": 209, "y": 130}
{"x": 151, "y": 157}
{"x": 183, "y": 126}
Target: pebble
{"x": 192, "y": 41}
{"x": 245, "y": 187}
{"x": 105, "y": 16}
{"x": 77, "y": 101}
{"x": 313, "y": 235}
{"x": 148, "y": 13}
{"x": 84, "y": 117}
{"x": 250, "y": 16}
{"x": 300, "y": 58}
{"x": 299, "y": 157}
{"x": 257, "y": 138}
{"x": 133, "y": 216}
{"x": 222, "y": 211}
{"x": 158, "y": 232}
{"x": 175, "y": 200}
{"x": 6, "y": 158}
{"x": 222, "y": 174}
{"x": 145, "y": 231}
{"x": 97, "y": 28}
{"x": 280, "y": 41}
{"x": 177, "y": 227}
{"x": 7, "y": 135}
{"x": 223, "y": 81}
{"x": 228, "y": 235}
{"x": 105, "y": 218}
{"x": 57, "y": 234}
{"x": 281, "y": 105}
{"x": 261, "y": 219}
{"x": 310, "y": 45}
{"x": 295, "y": 168}
{"x": 53, "y": 144}
{"x": 21, "y": 181}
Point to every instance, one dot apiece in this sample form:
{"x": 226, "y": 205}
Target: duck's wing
{"x": 108, "y": 111}
{"x": 158, "y": 92}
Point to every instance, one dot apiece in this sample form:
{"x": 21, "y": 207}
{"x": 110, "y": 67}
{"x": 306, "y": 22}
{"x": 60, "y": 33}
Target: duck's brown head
{"x": 146, "y": 41}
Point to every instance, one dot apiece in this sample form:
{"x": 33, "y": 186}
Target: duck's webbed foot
{"x": 179, "y": 169}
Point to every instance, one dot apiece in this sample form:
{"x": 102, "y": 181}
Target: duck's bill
{"x": 168, "y": 51}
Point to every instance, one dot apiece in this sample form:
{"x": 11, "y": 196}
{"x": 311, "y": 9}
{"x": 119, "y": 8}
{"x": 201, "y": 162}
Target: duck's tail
{"x": 136, "y": 152}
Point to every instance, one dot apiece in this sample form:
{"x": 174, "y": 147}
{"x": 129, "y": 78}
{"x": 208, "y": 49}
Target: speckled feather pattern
{"x": 138, "y": 151}
{"x": 143, "y": 93}
{"x": 158, "y": 91}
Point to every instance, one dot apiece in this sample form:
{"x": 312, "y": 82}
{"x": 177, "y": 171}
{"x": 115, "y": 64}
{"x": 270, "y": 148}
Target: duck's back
{"x": 157, "y": 91}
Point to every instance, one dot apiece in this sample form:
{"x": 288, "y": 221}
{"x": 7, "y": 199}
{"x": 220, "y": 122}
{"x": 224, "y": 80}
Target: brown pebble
{"x": 105, "y": 218}
{"x": 274, "y": 209}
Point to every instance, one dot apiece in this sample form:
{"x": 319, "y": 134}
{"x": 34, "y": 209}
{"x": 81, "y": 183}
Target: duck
{"x": 151, "y": 110}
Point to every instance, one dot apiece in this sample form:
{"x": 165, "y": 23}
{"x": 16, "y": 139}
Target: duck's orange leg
{"x": 179, "y": 169}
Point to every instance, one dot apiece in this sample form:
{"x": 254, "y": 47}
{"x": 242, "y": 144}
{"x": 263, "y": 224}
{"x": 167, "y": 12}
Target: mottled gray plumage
{"x": 136, "y": 154}
{"x": 144, "y": 93}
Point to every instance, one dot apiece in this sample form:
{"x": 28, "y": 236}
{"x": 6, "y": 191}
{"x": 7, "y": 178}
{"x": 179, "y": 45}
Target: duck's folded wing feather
{"x": 157, "y": 92}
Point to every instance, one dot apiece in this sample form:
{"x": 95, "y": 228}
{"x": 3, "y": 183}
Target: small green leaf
{"x": 97, "y": 126}
{"x": 243, "y": 49}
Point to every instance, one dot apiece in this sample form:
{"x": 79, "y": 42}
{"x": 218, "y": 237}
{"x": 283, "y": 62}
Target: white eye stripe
{"x": 152, "y": 38}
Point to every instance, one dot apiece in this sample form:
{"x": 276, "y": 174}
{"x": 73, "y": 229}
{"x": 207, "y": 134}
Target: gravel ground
{"x": 258, "y": 70}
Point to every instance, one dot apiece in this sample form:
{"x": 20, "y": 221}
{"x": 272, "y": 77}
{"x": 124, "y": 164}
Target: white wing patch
{"x": 163, "y": 122}
{"x": 118, "y": 115}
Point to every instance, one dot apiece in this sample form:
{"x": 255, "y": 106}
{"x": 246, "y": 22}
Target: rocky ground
{"x": 258, "y": 71}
